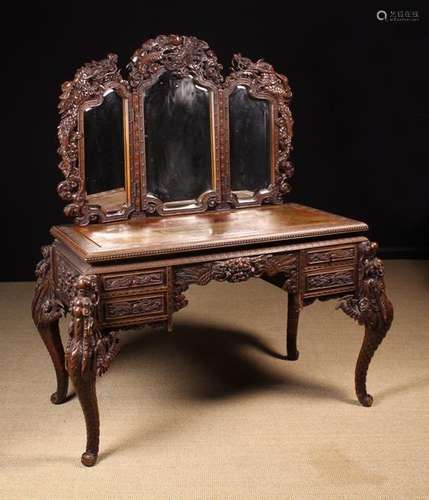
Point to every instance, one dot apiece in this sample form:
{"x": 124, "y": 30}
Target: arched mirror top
{"x": 182, "y": 55}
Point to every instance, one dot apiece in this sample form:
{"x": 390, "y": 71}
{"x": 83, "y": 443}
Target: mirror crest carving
{"x": 179, "y": 117}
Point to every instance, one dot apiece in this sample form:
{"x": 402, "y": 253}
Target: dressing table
{"x": 176, "y": 176}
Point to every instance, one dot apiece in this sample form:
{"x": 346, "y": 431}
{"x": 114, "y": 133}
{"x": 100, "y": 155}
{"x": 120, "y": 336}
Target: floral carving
{"x": 184, "y": 55}
{"x": 263, "y": 80}
{"x": 65, "y": 276}
{"x": 234, "y": 270}
{"x": 90, "y": 82}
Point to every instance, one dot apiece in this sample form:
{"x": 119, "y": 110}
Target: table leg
{"x": 81, "y": 358}
{"x": 369, "y": 307}
{"x": 293, "y": 311}
{"x": 46, "y": 312}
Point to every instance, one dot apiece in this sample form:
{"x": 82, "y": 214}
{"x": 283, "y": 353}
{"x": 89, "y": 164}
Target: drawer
{"x": 339, "y": 255}
{"x": 330, "y": 280}
{"x": 140, "y": 279}
{"x": 133, "y": 307}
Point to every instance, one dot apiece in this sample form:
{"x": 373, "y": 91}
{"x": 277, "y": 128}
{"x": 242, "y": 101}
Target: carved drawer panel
{"x": 333, "y": 279}
{"x": 134, "y": 280}
{"x": 131, "y": 307}
{"x": 330, "y": 255}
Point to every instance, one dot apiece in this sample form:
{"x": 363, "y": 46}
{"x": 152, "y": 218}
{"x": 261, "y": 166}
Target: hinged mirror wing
{"x": 175, "y": 83}
{"x": 257, "y": 134}
{"x": 94, "y": 141}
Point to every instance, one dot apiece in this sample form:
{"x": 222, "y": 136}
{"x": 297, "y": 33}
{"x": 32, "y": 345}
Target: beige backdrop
{"x": 209, "y": 413}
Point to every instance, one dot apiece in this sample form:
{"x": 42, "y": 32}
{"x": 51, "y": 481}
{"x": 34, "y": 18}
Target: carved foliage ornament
{"x": 87, "y": 347}
{"x": 370, "y": 307}
{"x": 65, "y": 276}
{"x": 46, "y": 307}
{"x": 234, "y": 270}
{"x": 184, "y": 55}
{"x": 90, "y": 82}
{"x": 262, "y": 79}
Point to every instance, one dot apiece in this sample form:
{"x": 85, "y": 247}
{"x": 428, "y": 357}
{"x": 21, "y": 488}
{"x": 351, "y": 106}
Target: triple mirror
{"x": 176, "y": 137}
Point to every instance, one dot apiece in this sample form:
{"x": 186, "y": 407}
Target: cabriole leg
{"x": 46, "y": 312}
{"x": 371, "y": 308}
{"x": 81, "y": 358}
{"x": 84, "y": 384}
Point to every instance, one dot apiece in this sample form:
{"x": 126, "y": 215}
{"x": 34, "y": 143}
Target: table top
{"x": 150, "y": 236}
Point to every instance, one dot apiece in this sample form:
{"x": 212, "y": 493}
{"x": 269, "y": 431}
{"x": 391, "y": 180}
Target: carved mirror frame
{"x": 86, "y": 91}
{"x": 184, "y": 57}
{"x": 262, "y": 82}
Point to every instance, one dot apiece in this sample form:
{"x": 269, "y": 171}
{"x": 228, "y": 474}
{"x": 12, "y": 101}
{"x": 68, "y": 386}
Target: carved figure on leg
{"x": 89, "y": 353}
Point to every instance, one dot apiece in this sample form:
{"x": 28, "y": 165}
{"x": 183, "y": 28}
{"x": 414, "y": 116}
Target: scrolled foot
{"x": 366, "y": 400}
{"x": 89, "y": 459}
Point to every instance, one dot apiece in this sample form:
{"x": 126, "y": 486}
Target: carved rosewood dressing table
{"x": 177, "y": 176}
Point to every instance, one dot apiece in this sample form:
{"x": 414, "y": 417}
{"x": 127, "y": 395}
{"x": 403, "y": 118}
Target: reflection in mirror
{"x": 177, "y": 138}
{"x": 105, "y": 155}
{"x": 249, "y": 137}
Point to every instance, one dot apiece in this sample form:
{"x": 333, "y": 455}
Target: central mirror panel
{"x": 105, "y": 151}
{"x": 178, "y": 140}
{"x": 250, "y": 143}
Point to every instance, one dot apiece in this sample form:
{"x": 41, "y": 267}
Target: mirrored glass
{"x": 104, "y": 152}
{"x": 177, "y": 138}
{"x": 249, "y": 136}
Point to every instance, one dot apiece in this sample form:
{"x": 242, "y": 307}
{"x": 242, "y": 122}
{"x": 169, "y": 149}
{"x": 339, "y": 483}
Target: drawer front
{"x": 339, "y": 255}
{"x": 329, "y": 280}
{"x": 132, "y": 307}
{"x": 134, "y": 280}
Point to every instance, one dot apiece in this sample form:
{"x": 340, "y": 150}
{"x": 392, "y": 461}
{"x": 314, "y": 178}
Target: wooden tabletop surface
{"x": 184, "y": 233}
